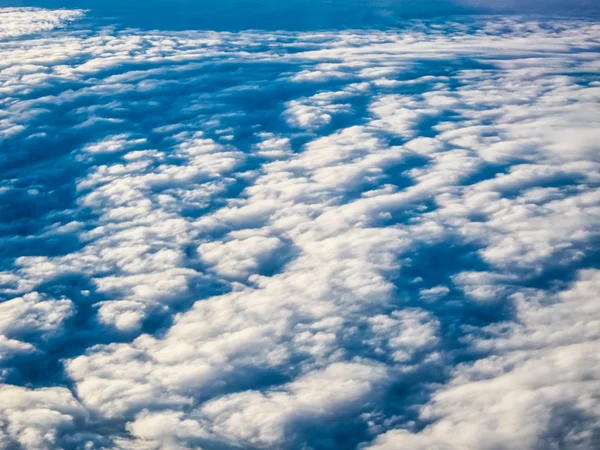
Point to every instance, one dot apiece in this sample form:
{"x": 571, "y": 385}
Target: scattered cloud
{"x": 354, "y": 239}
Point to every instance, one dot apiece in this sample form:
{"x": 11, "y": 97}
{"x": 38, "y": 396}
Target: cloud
{"x": 241, "y": 256}
{"x": 18, "y": 22}
{"x": 354, "y": 239}
{"x": 537, "y": 390}
{"x": 38, "y": 418}
{"x": 113, "y": 144}
{"x": 29, "y": 320}
{"x": 316, "y": 111}
{"x": 273, "y": 147}
{"x": 259, "y": 419}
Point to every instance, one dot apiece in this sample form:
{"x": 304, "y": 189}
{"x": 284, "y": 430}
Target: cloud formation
{"x": 325, "y": 240}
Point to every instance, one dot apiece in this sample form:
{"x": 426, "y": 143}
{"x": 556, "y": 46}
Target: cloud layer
{"x": 317, "y": 240}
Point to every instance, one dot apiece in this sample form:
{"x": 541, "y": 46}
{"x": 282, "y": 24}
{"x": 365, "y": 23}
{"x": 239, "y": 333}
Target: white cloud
{"x": 15, "y": 22}
{"x": 30, "y": 317}
{"x": 406, "y": 332}
{"x": 397, "y": 114}
{"x": 273, "y": 147}
{"x": 433, "y": 293}
{"x": 317, "y": 111}
{"x": 242, "y": 256}
{"x": 258, "y": 419}
{"x": 113, "y": 144}
{"x": 539, "y": 387}
{"x": 37, "y": 418}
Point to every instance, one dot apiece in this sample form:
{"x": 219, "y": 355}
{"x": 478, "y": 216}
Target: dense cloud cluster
{"x": 316, "y": 240}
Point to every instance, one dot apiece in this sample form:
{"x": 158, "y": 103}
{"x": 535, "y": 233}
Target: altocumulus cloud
{"x": 301, "y": 240}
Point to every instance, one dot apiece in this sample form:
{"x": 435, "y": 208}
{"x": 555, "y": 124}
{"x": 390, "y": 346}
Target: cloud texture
{"x": 315, "y": 240}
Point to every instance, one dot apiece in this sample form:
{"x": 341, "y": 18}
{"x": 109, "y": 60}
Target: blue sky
{"x": 300, "y": 14}
{"x": 343, "y": 231}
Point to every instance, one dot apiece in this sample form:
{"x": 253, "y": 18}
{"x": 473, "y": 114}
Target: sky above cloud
{"x": 317, "y": 239}
{"x": 299, "y": 15}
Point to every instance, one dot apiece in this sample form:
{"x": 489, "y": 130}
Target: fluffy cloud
{"x": 259, "y": 420}
{"x": 299, "y": 240}
{"x": 40, "y": 418}
{"x": 24, "y": 21}
{"x": 540, "y": 387}
{"x": 27, "y": 320}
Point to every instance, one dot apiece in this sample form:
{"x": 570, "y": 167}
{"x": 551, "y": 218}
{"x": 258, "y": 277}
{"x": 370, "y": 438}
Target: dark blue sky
{"x": 299, "y": 14}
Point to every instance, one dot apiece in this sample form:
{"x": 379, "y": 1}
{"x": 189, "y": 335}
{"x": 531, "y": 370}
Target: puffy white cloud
{"x": 30, "y": 317}
{"x": 539, "y": 387}
{"x": 244, "y": 255}
{"x": 113, "y": 144}
{"x": 273, "y": 147}
{"x": 33, "y": 312}
{"x": 396, "y": 113}
{"x": 407, "y": 332}
{"x": 263, "y": 420}
{"x": 137, "y": 244}
{"x": 15, "y": 22}
{"x": 433, "y": 293}
{"x": 316, "y": 111}
{"x": 37, "y": 418}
